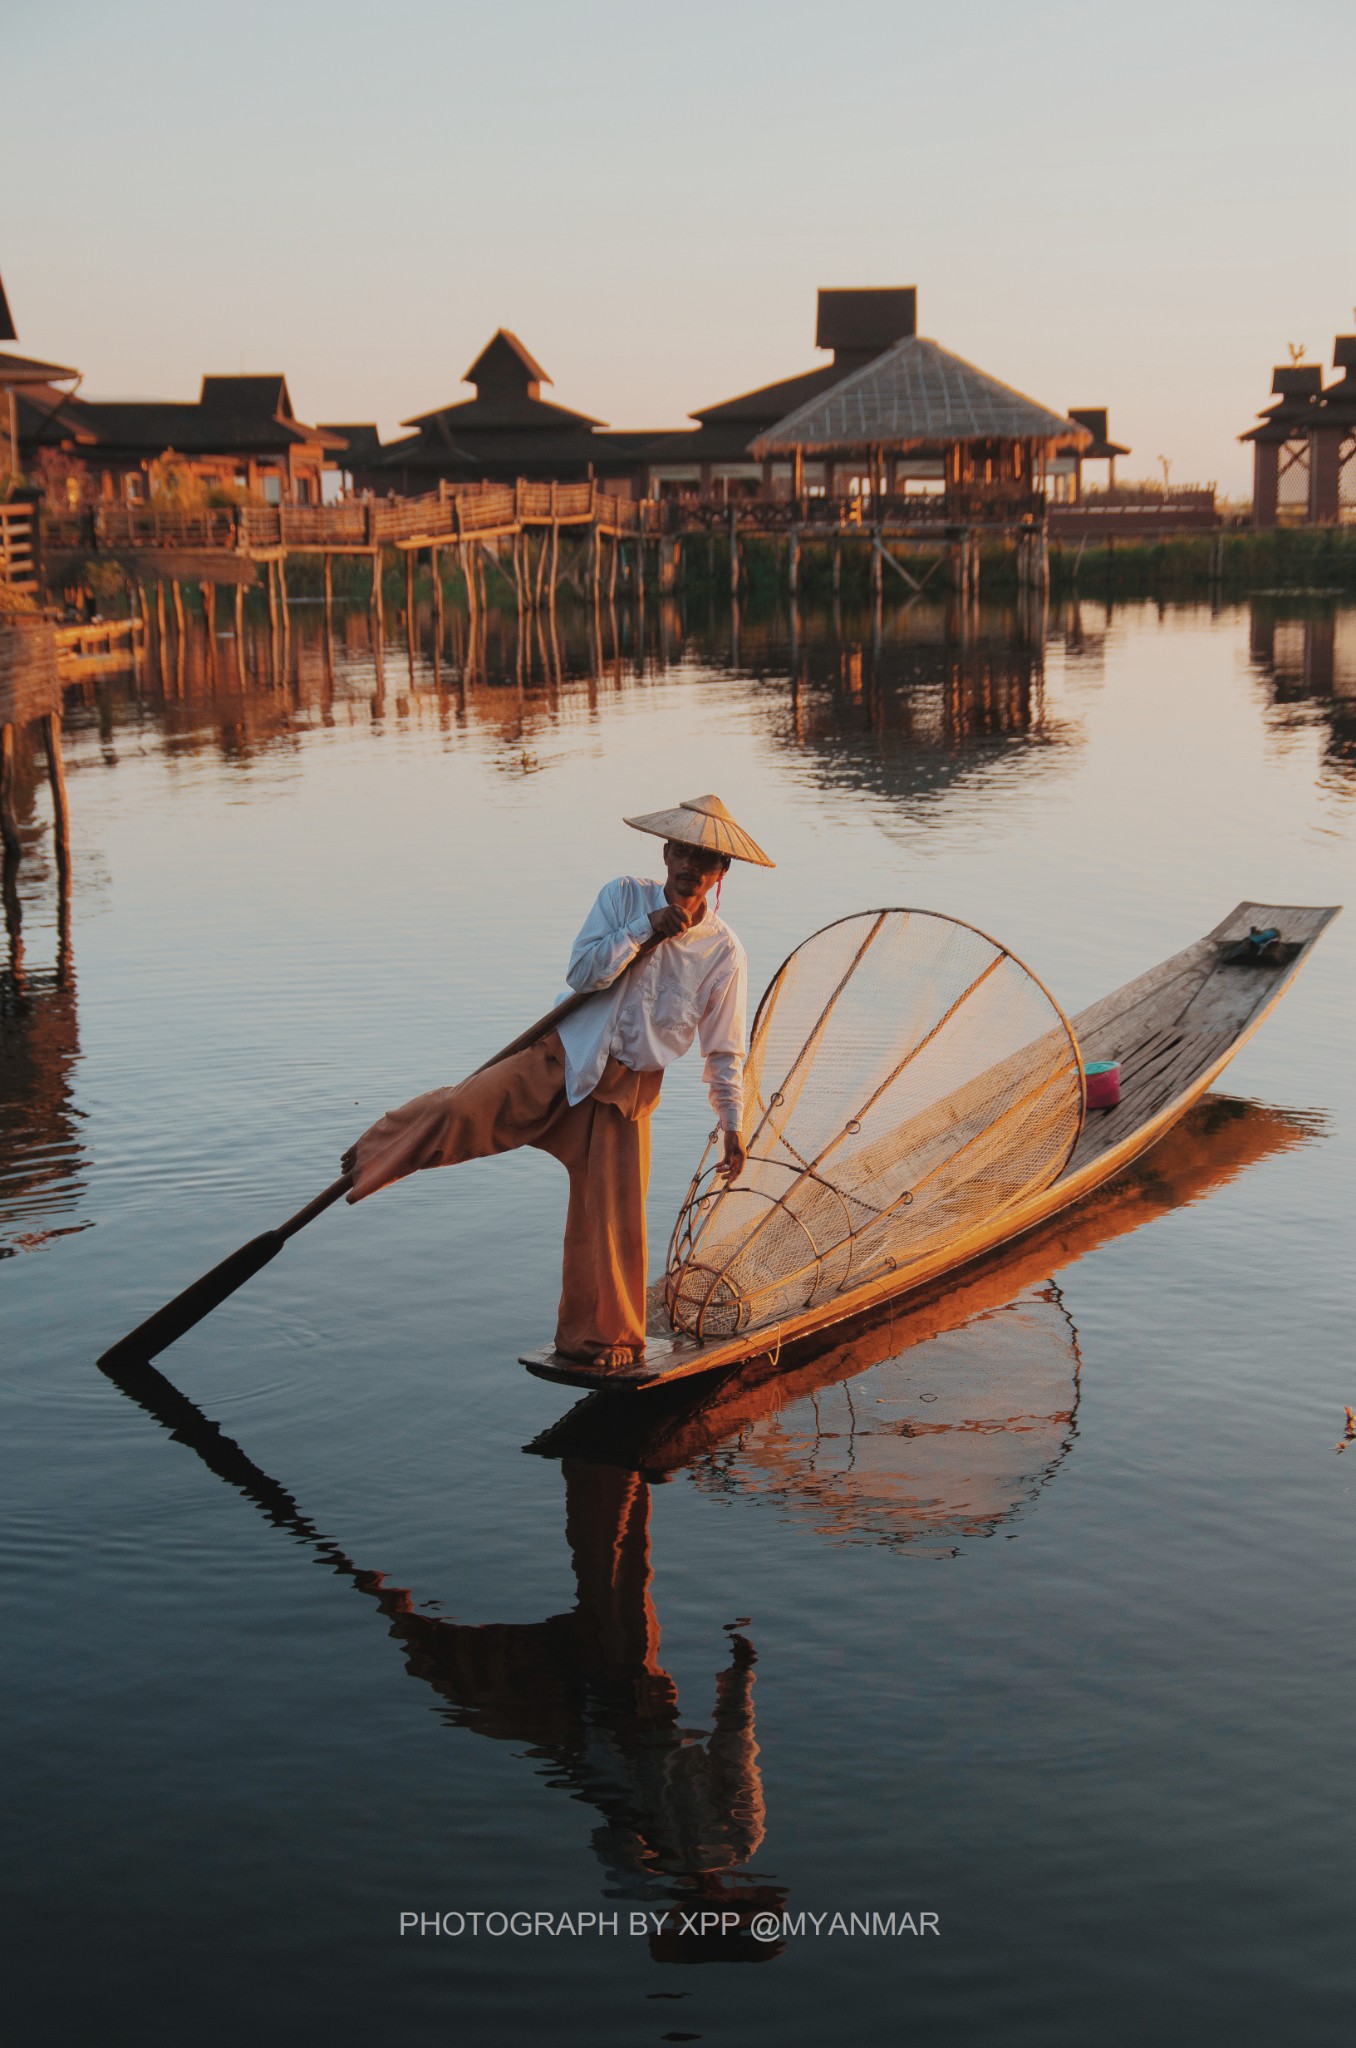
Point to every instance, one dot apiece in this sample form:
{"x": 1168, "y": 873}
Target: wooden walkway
{"x": 475, "y": 520}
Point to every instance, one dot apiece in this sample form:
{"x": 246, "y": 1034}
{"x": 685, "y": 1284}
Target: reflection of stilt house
{"x": 1308, "y": 657}
{"x": 1304, "y": 449}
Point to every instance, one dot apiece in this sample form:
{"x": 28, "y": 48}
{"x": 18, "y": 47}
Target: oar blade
{"x": 169, "y": 1323}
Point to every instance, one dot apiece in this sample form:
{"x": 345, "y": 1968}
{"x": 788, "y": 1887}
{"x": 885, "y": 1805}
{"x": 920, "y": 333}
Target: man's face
{"x": 692, "y": 871}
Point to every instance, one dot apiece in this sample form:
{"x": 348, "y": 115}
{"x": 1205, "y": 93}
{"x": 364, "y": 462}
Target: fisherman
{"x": 585, "y": 1092}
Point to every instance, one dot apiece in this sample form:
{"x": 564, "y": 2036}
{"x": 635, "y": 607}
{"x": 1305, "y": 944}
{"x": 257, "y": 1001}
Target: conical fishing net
{"x": 907, "y": 1078}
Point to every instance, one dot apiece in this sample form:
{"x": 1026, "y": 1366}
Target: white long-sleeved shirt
{"x": 695, "y": 985}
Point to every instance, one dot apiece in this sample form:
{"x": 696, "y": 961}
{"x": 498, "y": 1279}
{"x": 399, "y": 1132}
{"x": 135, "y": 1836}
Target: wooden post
{"x": 9, "y": 823}
{"x": 282, "y": 603}
{"x": 612, "y": 573}
{"x": 555, "y": 560}
{"x": 409, "y": 600}
{"x": 378, "y": 601}
{"x": 162, "y": 624}
{"x": 793, "y": 561}
{"x": 875, "y": 569}
{"x": 640, "y": 564}
{"x": 209, "y": 613}
{"x": 733, "y": 516}
{"x": 272, "y": 599}
{"x": 177, "y": 588}
{"x": 329, "y": 597}
{"x": 435, "y": 557}
{"x": 240, "y": 634}
{"x": 56, "y": 775}
{"x": 837, "y": 569}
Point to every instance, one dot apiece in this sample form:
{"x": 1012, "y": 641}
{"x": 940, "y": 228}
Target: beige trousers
{"x": 604, "y": 1145}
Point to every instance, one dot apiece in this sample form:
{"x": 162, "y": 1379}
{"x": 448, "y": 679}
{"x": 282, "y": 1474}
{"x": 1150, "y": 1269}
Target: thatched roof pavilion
{"x": 919, "y": 399}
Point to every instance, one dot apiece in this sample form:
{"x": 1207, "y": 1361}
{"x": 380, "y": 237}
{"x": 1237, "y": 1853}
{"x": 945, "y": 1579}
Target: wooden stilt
{"x": 793, "y": 563}
{"x": 378, "y": 599}
{"x": 555, "y": 562}
{"x": 9, "y": 823}
{"x": 208, "y": 592}
{"x": 285, "y": 610}
{"x": 734, "y": 552}
{"x": 162, "y": 623}
{"x": 240, "y": 634}
{"x": 329, "y": 599}
{"x": 56, "y": 775}
{"x": 436, "y": 558}
{"x": 273, "y": 598}
{"x": 409, "y": 613}
{"x": 612, "y": 572}
{"x": 837, "y": 569}
{"x": 640, "y": 567}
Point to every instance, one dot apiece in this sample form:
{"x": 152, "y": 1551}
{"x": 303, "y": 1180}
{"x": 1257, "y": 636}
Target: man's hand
{"x": 670, "y": 921}
{"x": 732, "y": 1165}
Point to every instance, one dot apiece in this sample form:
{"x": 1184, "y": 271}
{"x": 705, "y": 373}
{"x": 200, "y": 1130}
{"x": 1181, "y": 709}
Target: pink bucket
{"x": 1102, "y": 1084}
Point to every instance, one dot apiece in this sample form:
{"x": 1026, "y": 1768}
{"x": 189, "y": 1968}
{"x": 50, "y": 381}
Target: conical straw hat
{"x": 703, "y": 821}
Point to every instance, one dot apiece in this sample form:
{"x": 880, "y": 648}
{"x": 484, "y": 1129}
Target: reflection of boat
{"x": 680, "y": 1811}
{"x": 841, "y": 1432}
{"x": 943, "y": 1442}
{"x": 1172, "y": 1031}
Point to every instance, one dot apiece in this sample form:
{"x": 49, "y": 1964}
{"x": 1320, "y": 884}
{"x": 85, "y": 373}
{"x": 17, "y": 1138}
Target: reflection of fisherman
{"x": 588, "y": 1689}
{"x": 585, "y": 1092}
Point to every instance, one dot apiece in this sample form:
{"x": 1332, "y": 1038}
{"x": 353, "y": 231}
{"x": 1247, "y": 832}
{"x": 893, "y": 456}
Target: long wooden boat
{"x": 1172, "y": 1030}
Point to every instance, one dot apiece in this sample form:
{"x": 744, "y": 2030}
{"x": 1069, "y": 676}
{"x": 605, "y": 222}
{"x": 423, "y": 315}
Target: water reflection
{"x": 1307, "y": 654}
{"x": 900, "y": 702}
{"x": 41, "y": 1154}
{"x": 907, "y": 708}
{"x": 934, "y": 1423}
{"x": 681, "y": 1811}
{"x": 927, "y": 1427}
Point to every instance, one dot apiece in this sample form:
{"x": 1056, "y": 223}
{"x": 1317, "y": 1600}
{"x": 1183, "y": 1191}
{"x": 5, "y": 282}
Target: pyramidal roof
{"x": 918, "y": 392}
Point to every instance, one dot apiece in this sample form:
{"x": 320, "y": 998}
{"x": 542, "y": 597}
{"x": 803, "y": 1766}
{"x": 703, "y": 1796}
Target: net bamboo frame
{"x": 907, "y": 1078}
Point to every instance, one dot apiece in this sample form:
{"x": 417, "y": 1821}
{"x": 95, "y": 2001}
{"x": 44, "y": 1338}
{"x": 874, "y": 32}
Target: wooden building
{"x": 918, "y": 408}
{"x": 1304, "y": 446}
{"x": 716, "y": 459}
{"x": 1065, "y": 471}
{"x": 506, "y": 433}
{"x": 241, "y": 436}
{"x": 20, "y": 375}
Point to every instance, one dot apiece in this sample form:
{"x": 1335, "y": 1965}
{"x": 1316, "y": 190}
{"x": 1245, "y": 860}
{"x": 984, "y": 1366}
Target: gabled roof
{"x": 913, "y": 393}
{"x": 504, "y": 357}
{"x": 27, "y": 370}
{"x": 1299, "y": 389}
{"x": 480, "y": 415}
{"x": 1093, "y": 417}
{"x": 47, "y": 417}
{"x": 772, "y": 402}
{"x": 8, "y": 331}
{"x": 360, "y": 442}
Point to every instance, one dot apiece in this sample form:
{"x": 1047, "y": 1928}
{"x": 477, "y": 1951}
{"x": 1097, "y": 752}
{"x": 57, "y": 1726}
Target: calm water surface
{"x": 1033, "y": 1611}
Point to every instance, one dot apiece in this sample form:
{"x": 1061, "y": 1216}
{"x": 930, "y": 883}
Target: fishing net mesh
{"x": 906, "y": 1079}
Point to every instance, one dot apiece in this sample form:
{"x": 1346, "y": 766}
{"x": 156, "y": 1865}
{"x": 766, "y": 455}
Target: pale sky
{"x": 1131, "y": 206}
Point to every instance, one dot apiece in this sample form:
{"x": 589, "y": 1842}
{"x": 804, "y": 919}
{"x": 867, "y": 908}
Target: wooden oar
{"x": 169, "y": 1323}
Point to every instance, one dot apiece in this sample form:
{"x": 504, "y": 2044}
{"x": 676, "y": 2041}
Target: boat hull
{"x": 1172, "y": 1030}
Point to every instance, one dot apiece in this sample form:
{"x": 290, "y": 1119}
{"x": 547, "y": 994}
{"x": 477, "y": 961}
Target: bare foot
{"x": 616, "y": 1359}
